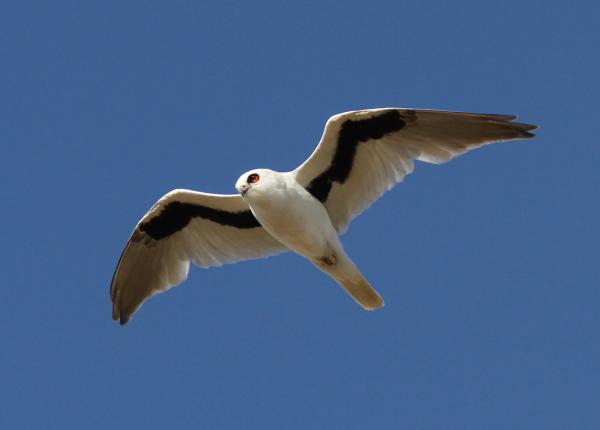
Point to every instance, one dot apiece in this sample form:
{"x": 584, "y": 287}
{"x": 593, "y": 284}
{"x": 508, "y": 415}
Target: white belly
{"x": 298, "y": 220}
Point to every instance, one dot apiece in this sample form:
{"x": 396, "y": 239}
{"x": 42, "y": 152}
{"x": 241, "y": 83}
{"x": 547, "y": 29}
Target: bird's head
{"x": 254, "y": 182}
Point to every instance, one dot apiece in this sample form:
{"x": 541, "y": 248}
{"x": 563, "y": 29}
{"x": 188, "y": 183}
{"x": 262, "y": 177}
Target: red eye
{"x": 253, "y": 178}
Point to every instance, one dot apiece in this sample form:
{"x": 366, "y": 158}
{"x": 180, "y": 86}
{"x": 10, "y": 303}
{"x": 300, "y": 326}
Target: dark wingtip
{"x": 117, "y": 313}
{"x": 521, "y": 128}
{"x": 525, "y": 129}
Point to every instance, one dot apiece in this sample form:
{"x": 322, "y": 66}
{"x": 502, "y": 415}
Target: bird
{"x": 361, "y": 155}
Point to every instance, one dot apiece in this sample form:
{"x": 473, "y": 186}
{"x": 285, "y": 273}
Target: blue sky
{"x": 488, "y": 264}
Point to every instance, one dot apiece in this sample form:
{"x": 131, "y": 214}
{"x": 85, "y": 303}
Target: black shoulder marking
{"x": 176, "y": 215}
{"x": 352, "y": 133}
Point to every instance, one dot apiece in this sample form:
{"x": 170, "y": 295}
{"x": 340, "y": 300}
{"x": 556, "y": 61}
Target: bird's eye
{"x": 253, "y": 178}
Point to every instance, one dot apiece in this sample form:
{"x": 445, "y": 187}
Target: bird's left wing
{"x": 184, "y": 226}
{"x": 364, "y": 153}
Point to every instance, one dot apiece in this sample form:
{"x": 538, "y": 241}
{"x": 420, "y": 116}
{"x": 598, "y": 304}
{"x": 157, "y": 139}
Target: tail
{"x": 341, "y": 268}
{"x": 361, "y": 291}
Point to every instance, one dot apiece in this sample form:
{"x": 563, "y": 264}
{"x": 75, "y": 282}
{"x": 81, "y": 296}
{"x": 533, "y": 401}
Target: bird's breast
{"x": 296, "y": 219}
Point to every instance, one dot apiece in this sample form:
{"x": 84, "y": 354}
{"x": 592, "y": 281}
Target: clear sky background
{"x": 488, "y": 264}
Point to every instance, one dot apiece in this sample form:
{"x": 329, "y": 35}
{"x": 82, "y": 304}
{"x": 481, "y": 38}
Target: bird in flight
{"x": 361, "y": 155}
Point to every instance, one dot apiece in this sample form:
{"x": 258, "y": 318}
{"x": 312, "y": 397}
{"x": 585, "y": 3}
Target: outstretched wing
{"x": 184, "y": 226}
{"x": 364, "y": 153}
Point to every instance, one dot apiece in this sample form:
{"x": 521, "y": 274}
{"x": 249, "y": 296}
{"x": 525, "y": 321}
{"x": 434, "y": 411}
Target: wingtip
{"x": 526, "y": 127}
{"x": 374, "y": 306}
{"x": 122, "y": 317}
{"x": 117, "y": 312}
{"x": 526, "y": 130}
{"x": 523, "y": 130}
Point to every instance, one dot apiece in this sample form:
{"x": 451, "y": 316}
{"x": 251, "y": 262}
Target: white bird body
{"x": 361, "y": 155}
{"x": 293, "y": 216}
{"x": 290, "y": 213}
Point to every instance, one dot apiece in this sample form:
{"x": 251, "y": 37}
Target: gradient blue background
{"x": 488, "y": 264}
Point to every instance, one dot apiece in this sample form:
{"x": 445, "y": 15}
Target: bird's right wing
{"x": 184, "y": 226}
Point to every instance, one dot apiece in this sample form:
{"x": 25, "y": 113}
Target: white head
{"x": 255, "y": 182}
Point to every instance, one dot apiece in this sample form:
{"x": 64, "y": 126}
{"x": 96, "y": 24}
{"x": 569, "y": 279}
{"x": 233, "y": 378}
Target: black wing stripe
{"x": 352, "y": 133}
{"x": 176, "y": 215}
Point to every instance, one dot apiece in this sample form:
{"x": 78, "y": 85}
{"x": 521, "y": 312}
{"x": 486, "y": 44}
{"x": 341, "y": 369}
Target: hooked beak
{"x": 244, "y": 189}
